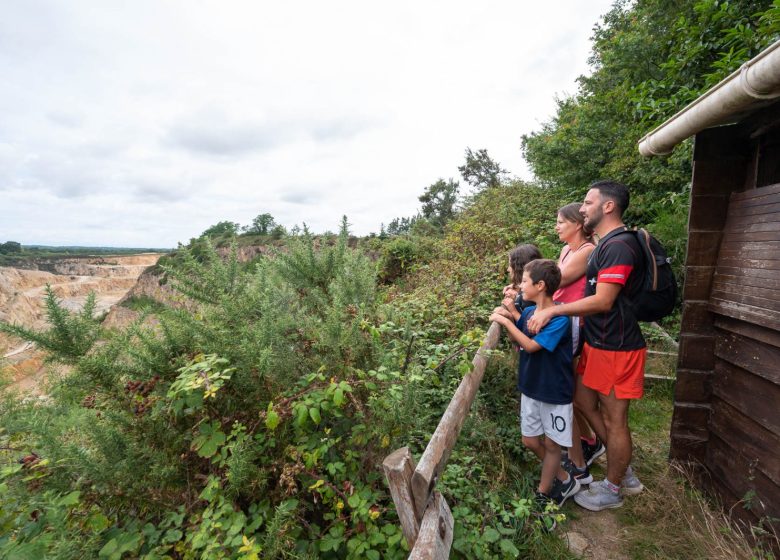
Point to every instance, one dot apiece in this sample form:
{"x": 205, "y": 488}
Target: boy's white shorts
{"x": 552, "y": 420}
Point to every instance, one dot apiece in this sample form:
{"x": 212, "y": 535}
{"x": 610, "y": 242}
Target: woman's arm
{"x": 576, "y": 265}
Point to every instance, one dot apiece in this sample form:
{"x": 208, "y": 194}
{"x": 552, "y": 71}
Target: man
{"x": 613, "y": 357}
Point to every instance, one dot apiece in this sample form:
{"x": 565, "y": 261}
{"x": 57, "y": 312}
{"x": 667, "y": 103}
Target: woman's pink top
{"x": 575, "y": 290}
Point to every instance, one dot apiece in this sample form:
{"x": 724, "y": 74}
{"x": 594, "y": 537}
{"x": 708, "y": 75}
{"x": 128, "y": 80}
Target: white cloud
{"x": 143, "y": 123}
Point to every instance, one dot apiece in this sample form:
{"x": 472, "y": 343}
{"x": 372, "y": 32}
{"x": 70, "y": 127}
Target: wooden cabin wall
{"x": 743, "y": 451}
{"x": 719, "y": 166}
{"x": 727, "y": 397}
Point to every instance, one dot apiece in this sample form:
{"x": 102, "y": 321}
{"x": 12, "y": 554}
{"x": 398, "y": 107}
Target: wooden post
{"x": 435, "y": 538}
{"x": 440, "y": 446}
{"x": 399, "y": 467}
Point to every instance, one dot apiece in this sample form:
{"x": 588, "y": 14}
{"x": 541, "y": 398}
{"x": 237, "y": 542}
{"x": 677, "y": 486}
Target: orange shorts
{"x": 621, "y": 370}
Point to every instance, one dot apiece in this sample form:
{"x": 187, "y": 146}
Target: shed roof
{"x": 755, "y": 85}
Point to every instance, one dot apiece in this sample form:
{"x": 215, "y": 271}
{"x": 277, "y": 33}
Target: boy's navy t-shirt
{"x": 546, "y": 375}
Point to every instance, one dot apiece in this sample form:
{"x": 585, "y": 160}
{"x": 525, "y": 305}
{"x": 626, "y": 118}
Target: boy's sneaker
{"x": 545, "y": 512}
{"x": 630, "y": 486}
{"x": 598, "y": 497}
{"x": 562, "y": 490}
{"x": 591, "y": 452}
{"x": 582, "y": 475}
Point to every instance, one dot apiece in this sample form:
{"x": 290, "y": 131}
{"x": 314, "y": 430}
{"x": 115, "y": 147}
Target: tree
{"x": 650, "y": 58}
{"x": 480, "y": 171}
{"x": 439, "y": 201}
{"x": 400, "y": 226}
{"x": 262, "y": 224}
{"x": 10, "y": 247}
{"x": 222, "y": 228}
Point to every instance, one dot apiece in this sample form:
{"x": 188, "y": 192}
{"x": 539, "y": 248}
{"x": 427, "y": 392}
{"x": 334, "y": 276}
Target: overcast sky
{"x": 142, "y": 123}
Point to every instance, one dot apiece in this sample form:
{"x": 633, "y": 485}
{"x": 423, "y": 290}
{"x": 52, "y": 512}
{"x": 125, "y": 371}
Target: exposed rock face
{"x": 22, "y": 294}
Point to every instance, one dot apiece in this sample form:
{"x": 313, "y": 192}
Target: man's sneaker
{"x": 598, "y": 496}
{"x": 630, "y": 486}
{"x": 562, "y": 490}
{"x": 582, "y": 475}
{"x": 545, "y": 512}
{"x": 592, "y": 452}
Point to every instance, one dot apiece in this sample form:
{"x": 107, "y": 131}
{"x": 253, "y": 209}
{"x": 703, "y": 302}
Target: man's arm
{"x": 600, "y": 302}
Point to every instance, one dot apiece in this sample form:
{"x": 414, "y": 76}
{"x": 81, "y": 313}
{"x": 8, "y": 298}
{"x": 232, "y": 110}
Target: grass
{"x": 671, "y": 519}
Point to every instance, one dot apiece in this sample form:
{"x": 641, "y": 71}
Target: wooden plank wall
{"x": 727, "y": 396}
{"x": 743, "y": 452}
{"x": 720, "y": 165}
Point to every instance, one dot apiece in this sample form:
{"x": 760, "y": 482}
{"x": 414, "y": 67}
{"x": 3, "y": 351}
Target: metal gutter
{"x": 756, "y": 81}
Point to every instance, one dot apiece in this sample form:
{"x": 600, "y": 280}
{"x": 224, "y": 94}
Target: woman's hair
{"x": 571, "y": 213}
{"x": 521, "y": 256}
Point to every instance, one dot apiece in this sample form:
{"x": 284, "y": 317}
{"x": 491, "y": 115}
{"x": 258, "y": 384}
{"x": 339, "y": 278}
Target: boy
{"x": 545, "y": 380}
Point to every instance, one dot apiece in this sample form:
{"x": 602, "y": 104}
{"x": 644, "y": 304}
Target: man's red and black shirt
{"x": 617, "y": 259}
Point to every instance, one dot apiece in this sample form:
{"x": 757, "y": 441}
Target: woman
{"x": 570, "y": 227}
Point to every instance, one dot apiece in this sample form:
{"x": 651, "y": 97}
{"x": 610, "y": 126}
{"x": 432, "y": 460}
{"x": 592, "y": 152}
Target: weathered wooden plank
{"x": 766, "y": 208}
{"x": 751, "y": 355}
{"x": 751, "y": 314}
{"x": 740, "y": 251}
{"x": 747, "y": 262}
{"x": 690, "y": 419}
{"x": 745, "y": 313}
{"x": 751, "y": 225}
{"x": 698, "y": 281}
{"x": 750, "y": 330}
{"x": 747, "y": 437}
{"x": 738, "y": 475}
{"x": 757, "y": 222}
{"x": 747, "y": 279}
{"x": 687, "y": 448}
{"x": 434, "y": 459}
{"x": 693, "y": 386}
{"x": 757, "y": 196}
{"x": 752, "y": 395}
{"x": 749, "y": 273}
{"x": 762, "y": 304}
{"x": 436, "y": 532}
{"x": 757, "y": 297}
{"x": 769, "y": 246}
{"x": 754, "y": 236}
{"x": 696, "y": 318}
{"x": 399, "y": 468}
{"x": 696, "y": 351}
{"x": 702, "y": 247}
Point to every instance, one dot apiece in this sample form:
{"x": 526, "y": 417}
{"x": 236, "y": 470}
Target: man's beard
{"x": 594, "y": 221}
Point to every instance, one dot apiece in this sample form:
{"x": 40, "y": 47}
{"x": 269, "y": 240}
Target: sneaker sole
{"x": 590, "y": 507}
{"x": 633, "y": 491}
{"x": 596, "y": 455}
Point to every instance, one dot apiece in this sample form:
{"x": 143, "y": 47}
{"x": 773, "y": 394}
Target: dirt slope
{"x": 22, "y": 294}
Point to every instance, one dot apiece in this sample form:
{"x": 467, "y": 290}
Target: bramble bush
{"x": 252, "y": 422}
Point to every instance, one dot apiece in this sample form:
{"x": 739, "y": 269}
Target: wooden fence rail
{"x": 426, "y": 520}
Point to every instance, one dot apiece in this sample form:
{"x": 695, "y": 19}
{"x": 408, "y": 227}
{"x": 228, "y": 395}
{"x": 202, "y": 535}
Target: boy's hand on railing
{"x": 498, "y": 317}
{"x": 502, "y": 311}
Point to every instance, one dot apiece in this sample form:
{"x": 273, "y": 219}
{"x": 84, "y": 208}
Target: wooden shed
{"x": 727, "y": 397}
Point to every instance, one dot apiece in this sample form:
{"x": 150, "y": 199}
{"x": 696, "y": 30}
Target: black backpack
{"x": 656, "y": 295}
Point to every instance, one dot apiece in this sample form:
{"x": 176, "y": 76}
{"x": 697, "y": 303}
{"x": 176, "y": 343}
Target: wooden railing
{"x": 426, "y": 520}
